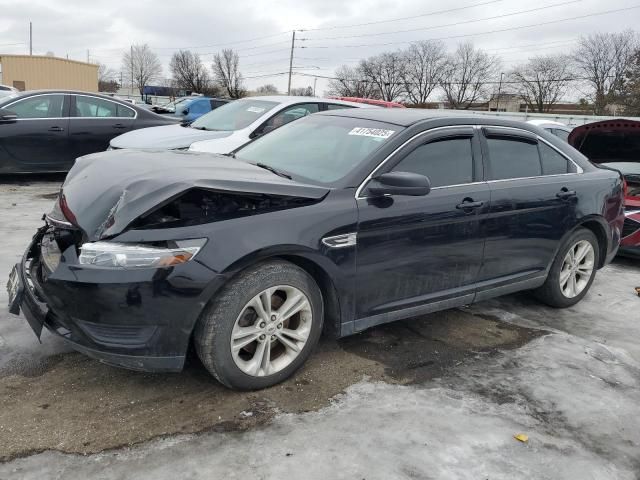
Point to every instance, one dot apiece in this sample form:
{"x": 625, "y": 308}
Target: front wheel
{"x": 262, "y": 327}
{"x": 572, "y": 271}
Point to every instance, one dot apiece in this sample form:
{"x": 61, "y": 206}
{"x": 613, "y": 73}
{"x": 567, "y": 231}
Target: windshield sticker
{"x": 372, "y": 132}
{"x": 255, "y": 109}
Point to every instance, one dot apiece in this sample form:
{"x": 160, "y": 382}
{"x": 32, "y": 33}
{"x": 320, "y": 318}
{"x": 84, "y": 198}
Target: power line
{"x": 444, "y": 25}
{"x": 439, "y": 12}
{"x": 509, "y": 29}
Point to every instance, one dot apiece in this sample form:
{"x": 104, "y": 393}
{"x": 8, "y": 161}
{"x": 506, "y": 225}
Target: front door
{"x": 416, "y": 252}
{"x": 38, "y": 141}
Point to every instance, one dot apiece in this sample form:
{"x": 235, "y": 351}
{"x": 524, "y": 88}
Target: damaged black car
{"x": 334, "y": 223}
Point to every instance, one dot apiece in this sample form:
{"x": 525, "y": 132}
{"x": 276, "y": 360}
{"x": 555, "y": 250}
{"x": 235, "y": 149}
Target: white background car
{"x": 6, "y": 91}
{"x": 230, "y": 126}
{"x": 560, "y": 130}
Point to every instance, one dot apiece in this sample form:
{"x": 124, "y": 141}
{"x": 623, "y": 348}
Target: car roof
{"x": 28, "y": 93}
{"x": 406, "y": 117}
{"x": 292, "y": 99}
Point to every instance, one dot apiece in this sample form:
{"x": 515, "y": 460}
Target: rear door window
{"x": 553, "y": 163}
{"x": 513, "y": 158}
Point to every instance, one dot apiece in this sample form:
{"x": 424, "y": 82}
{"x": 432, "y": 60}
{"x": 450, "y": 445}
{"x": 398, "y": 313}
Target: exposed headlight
{"x": 131, "y": 255}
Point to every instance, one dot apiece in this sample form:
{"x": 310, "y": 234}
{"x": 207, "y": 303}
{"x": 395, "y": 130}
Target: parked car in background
{"x": 230, "y": 126}
{"x": 45, "y": 131}
{"x": 371, "y": 101}
{"x": 7, "y": 91}
{"x": 336, "y": 222}
{"x": 168, "y": 108}
{"x": 194, "y": 107}
{"x": 616, "y": 144}
{"x": 558, "y": 129}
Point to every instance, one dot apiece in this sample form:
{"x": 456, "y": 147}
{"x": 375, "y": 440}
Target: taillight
{"x": 66, "y": 211}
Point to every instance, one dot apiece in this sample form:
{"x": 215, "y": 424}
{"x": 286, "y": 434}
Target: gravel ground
{"x": 440, "y": 396}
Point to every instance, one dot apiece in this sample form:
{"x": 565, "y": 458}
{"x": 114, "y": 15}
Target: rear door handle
{"x": 119, "y": 125}
{"x": 565, "y": 194}
{"x": 469, "y": 204}
{"x": 56, "y": 129}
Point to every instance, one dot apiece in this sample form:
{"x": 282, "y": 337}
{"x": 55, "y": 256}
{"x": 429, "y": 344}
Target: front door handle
{"x": 119, "y": 126}
{"x": 565, "y": 193}
{"x": 56, "y": 129}
{"x": 469, "y": 204}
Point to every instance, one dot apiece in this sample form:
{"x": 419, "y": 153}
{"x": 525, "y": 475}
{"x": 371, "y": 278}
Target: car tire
{"x": 558, "y": 293}
{"x": 238, "y": 313}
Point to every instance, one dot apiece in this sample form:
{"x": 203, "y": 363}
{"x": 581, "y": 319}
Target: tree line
{"x": 604, "y": 68}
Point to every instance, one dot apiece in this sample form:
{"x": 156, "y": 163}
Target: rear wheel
{"x": 572, "y": 272}
{"x": 262, "y": 327}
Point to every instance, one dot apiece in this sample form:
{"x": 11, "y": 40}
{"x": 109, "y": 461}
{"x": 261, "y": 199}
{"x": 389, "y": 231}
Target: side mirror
{"x": 400, "y": 183}
{"x": 7, "y": 116}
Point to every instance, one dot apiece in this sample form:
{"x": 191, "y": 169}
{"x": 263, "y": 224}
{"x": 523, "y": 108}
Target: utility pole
{"x": 131, "y": 58}
{"x": 499, "y": 90}
{"x": 30, "y": 38}
{"x": 87, "y": 55}
{"x": 315, "y": 79}
{"x": 293, "y": 43}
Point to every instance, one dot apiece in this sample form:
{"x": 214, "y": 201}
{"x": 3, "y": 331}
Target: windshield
{"x": 234, "y": 115}
{"x": 320, "y": 149}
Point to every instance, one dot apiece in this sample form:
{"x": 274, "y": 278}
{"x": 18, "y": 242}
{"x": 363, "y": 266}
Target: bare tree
{"x": 106, "y": 79}
{"x": 302, "y": 92}
{"x": 603, "y": 59}
{"x": 386, "y": 71}
{"x": 351, "y": 82}
{"x": 141, "y": 65}
{"x": 631, "y": 92}
{"x": 424, "y": 62}
{"x": 227, "y": 74}
{"x": 542, "y": 81}
{"x": 466, "y": 74}
{"x": 268, "y": 89}
{"x": 189, "y": 72}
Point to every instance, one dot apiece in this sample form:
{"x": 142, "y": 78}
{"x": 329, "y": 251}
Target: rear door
{"x": 95, "y": 121}
{"x": 533, "y": 204}
{"x": 38, "y": 141}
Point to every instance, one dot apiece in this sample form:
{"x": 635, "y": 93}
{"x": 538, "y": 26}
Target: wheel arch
{"x": 597, "y": 226}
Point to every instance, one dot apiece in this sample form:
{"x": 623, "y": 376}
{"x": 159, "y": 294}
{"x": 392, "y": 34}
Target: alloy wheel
{"x": 271, "y": 330}
{"x": 577, "y": 269}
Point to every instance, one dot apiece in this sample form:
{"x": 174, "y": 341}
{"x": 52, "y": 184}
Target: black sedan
{"x": 343, "y": 220}
{"x": 45, "y": 131}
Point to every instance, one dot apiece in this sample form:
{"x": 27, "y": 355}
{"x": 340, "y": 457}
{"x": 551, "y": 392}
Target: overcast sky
{"x": 107, "y": 28}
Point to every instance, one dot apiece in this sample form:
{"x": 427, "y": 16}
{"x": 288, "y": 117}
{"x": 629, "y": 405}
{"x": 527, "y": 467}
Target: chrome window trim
{"x": 381, "y": 164}
{"x": 135, "y": 112}
{"x": 38, "y": 95}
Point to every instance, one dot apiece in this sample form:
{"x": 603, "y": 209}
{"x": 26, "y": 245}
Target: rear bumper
{"x": 144, "y": 324}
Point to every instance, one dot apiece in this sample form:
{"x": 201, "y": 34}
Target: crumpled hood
{"x": 166, "y": 136}
{"x": 107, "y": 191}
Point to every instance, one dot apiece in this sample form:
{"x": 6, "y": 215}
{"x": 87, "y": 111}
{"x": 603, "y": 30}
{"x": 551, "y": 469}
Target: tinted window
{"x": 512, "y": 159}
{"x": 552, "y": 162}
{"x": 563, "y": 134}
{"x": 234, "y": 115}
{"x": 337, "y": 106}
{"x": 199, "y": 107}
{"x": 124, "y": 112}
{"x": 41, "y": 106}
{"x": 319, "y": 149}
{"x": 289, "y": 115}
{"x": 445, "y": 162}
{"x": 95, "y": 107}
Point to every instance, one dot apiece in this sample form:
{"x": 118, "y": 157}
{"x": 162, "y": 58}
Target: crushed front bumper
{"x": 137, "y": 320}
